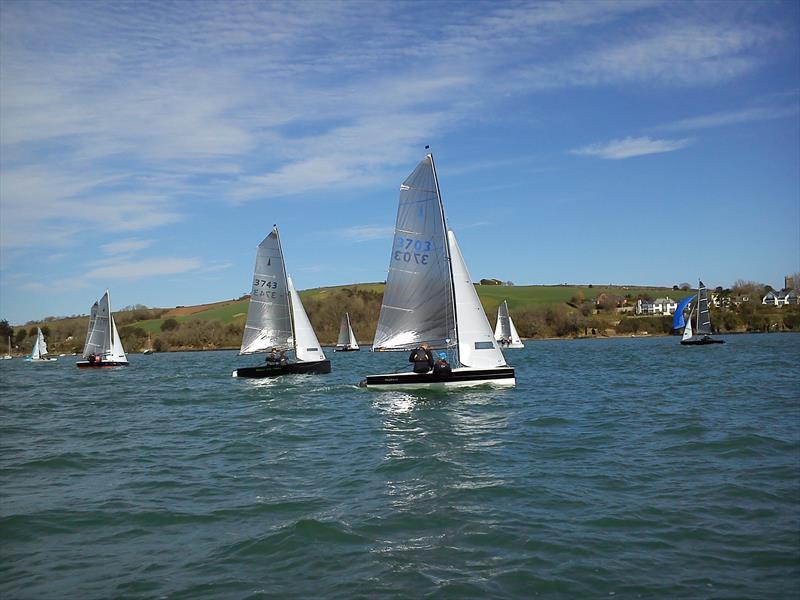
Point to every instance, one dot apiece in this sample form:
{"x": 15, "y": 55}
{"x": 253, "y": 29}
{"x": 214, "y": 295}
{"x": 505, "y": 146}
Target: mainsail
{"x": 269, "y": 324}
{"x": 703, "y": 318}
{"x": 418, "y": 299}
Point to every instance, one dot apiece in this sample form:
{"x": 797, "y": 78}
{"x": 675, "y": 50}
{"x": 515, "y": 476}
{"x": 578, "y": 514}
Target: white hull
{"x": 38, "y": 360}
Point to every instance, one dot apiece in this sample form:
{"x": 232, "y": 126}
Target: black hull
{"x": 346, "y": 349}
{"x": 320, "y": 367}
{"x": 99, "y": 365}
{"x": 701, "y": 342}
{"x": 457, "y": 378}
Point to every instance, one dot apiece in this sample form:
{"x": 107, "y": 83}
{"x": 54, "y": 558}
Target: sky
{"x": 148, "y": 147}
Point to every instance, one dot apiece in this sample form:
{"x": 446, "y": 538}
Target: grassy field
{"x": 491, "y": 296}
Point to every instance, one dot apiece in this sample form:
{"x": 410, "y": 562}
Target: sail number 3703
{"x": 411, "y": 251}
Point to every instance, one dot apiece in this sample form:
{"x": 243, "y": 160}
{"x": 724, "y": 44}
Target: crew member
{"x": 442, "y": 367}
{"x": 422, "y": 359}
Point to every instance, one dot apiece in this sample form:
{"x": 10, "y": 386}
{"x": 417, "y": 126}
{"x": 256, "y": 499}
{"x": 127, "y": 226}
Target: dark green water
{"x": 632, "y": 468}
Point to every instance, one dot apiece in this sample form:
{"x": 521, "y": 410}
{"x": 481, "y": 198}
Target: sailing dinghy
{"x": 347, "y": 339}
{"x": 39, "y": 350}
{"x": 276, "y": 319}
{"x": 429, "y": 297}
{"x": 700, "y": 333}
{"x": 103, "y": 348}
{"x": 504, "y": 331}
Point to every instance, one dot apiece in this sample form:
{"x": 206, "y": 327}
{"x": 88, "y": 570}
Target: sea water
{"x": 633, "y": 468}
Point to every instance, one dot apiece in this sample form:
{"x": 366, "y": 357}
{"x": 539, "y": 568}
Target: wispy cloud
{"x": 731, "y": 117}
{"x": 125, "y": 246}
{"x": 629, "y": 147}
{"x": 365, "y": 233}
{"x": 131, "y": 270}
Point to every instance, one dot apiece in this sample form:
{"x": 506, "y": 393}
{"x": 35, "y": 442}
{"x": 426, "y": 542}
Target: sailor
{"x": 272, "y": 357}
{"x": 442, "y": 367}
{"x": 283, "y": 359}
{"x": 422, "y": 359}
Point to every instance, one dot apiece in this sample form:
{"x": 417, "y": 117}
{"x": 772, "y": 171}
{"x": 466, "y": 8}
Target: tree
{"x": 21, "y": 335}
{"x": 170, "y": 325}
{"x": 685, "y": 287}
{"x": 5, "y": 330}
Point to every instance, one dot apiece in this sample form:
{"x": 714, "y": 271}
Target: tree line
{"x": 575, "y": 318}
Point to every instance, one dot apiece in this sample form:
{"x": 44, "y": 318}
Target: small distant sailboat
{"x": 149, "y": 348}
{"x": 504, "y": 331}
{"x": 277, "y": 320}
{"x": 8, "y": 356}
{"x": 39, "y": 350}
{"x": 103, "y": 348}
{"x": 700, "y": 333}
{"x": 347, "y": 339}
{"x": 430, "y": 298}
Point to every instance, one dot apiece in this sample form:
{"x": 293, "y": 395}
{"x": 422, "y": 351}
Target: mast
{"x": 109, "y": 327}
{"x": 288, "y": 295}
{"x": 447, "y": 254}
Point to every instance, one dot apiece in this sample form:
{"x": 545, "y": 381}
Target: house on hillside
{"x": 781, "y": 298}
{"x": 659, "y": 306}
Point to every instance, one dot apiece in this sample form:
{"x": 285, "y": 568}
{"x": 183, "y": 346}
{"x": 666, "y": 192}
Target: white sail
{"x": 306, "y": 345}
{"x": 269, "y": 324}
{"x": 353, "y": 341}
{"x": 418, "y": 299}
{"x": 117, "y": 351}
{"x": 516, "y": 342}
{"x": 477, "y": 347}
{"x": 687, "y": 332}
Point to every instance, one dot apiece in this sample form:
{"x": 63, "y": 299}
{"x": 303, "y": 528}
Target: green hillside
{"x": 537, "y": 310}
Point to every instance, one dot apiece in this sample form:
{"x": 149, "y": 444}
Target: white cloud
{"x": 629, "y": 147}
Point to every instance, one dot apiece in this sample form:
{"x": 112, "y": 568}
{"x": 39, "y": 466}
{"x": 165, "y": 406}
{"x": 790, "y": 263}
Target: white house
{"x": 660, "y": 306}
{"x": 781, "y": 298}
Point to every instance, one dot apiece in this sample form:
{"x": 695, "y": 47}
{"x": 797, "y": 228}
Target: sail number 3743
{"x": 264, "y": 288}
{"x": 411, "y": 251}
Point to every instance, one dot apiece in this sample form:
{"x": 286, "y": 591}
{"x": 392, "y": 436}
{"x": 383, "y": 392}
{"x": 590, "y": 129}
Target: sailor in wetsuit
{"x": 422, "y": 359}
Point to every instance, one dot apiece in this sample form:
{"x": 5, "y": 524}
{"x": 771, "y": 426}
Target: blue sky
{"x": 149, "y": 147}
